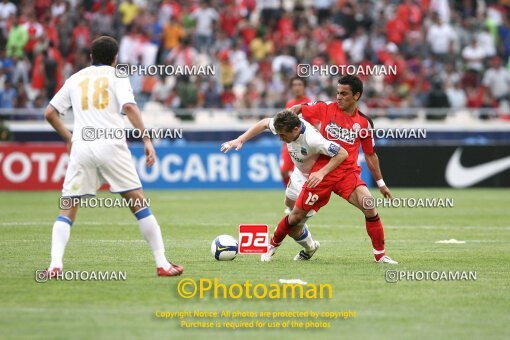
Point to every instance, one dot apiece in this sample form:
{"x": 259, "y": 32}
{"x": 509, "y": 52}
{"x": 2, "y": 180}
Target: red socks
{"x": 376, "y": 232}
{"x": 374, "y": 229}
{"x": 281, "y": 231}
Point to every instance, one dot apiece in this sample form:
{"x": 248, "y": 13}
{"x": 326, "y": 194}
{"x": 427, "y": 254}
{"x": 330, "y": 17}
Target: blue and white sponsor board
{"x": 204, "y": 166}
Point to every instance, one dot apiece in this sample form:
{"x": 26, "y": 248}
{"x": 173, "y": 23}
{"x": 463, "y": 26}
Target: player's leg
{"x": 289, "y": 203}
{"x": 60, "y": 235}
{"x": 294, "y": 185}
{"x": 151, "y": 231}
{"x": 287, "y": 224}
{"x": 291, "y": 194}
{"x": 308, "y": 199}
{"x": 300, "y": 233}
{"x": 80, "y": 180}
{"x": 374, "y": 226}
{"x": 118, "y": 170}
{"x": 281, "y": 231}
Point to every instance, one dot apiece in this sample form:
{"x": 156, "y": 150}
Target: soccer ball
{"x": 224, "y": 248}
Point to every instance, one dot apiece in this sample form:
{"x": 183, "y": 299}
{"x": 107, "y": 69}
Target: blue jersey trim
{"x": 303, "y": 127}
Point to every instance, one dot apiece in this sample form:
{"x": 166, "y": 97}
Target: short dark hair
{"x": 354, "y": 83}
{"x": 104, "y": 50}
{"x": 286, "y": 121}
{"x": 303, "y": 80}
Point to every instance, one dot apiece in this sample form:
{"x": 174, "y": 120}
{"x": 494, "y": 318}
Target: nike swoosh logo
{"x": 220, "y": 249}
{"x": 459, "y": 176}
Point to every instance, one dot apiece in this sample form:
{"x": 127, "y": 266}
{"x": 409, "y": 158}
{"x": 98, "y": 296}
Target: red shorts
{"x": 286, "y": 163}
{"x": 316, "y": 198}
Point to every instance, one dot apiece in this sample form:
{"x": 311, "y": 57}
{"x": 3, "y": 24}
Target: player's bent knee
{"x": 289, "y": 203}
{"x": 296, "y": 216}
{"x": 137, "y": 193}
{"x": 135, "y": 199}
{"x": 69, "y": 213}
{"x": 296, "y": 231}
{"x": 370, "y": 213}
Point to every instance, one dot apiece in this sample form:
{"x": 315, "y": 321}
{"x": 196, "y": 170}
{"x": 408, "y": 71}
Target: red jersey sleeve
{"x": 314, "y": 112}
{"x": 367, "y": 143}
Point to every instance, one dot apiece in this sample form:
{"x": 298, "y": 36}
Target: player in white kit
{"x": 305, "y": 144}
{"x": 97, "y": 98}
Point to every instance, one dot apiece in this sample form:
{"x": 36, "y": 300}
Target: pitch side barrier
{"x": 41, "y": 166}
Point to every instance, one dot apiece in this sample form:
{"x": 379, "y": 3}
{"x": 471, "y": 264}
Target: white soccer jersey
{"x": 96, "y": 97}
{"x": 305, "y": 150}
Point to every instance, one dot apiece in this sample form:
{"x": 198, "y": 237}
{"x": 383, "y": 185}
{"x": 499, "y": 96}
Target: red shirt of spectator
{"x": 248, "y": 32}
{"x": 285, "y": 25}
{"x": 336, "y": 52}
{"x": 38, "y": 73}
{"x": 50, "y": 31}
{"x": 35, "y": 30}
{"x": 81, "y": 36}
{"x": 411, "y": 15}
{"x": 395, "y": 30}
{"x": 229, "y": 20}
{"x": 319, "y": 35}
{"x": 41, "y": 8}
{"x": 108, "y": 5}
{"x": 228, "y": 98}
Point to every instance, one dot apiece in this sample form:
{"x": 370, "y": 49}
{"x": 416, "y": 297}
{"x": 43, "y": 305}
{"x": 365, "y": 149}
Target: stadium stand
{"x": 457, "y": 50}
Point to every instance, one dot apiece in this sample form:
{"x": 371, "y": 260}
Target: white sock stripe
{"x": 378, "y": 252}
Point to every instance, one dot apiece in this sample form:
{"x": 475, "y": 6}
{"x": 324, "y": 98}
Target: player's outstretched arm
{"x": 373, "y": 165}
{"x": 135, "y": 117}
{"x": 316, "y": 177}
{"x": 255, "y": 130}
{"x": 51, "y": 115}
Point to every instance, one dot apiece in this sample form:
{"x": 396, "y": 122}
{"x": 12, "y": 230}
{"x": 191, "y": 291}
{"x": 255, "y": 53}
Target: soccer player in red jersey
{"x": 297, "y": 87}
{"x": 342, "y": 123}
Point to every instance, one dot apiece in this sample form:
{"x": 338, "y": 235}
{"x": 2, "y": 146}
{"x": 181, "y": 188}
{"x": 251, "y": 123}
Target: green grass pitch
{"x": 109, "y": 239}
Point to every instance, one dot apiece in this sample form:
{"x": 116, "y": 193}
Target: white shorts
{"x": 92, "y": 164}
{"x": 297, "y": 180}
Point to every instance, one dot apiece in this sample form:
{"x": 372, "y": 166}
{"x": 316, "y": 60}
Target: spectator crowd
{"x": 448, "y": 53}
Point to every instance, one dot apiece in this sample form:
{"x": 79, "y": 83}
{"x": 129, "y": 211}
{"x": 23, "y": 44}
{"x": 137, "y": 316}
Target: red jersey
{"x": 291, "y": 102}
{"x": 338, "y": 126}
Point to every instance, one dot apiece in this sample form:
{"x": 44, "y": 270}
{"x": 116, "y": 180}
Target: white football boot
{"x": 270, "y": 252}
{"x": 386, "y": 259}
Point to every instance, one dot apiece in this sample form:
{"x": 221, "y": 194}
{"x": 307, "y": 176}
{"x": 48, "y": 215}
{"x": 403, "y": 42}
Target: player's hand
{"x": 314, "y": 179}
{"x": 236, "y": 143}
{"x": 150, "y": 153}
{"x": 386, "y": 192}
{"x": 296, "y": 108}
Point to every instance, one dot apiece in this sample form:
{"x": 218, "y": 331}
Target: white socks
{"x": 149, "y": 228}
{"x": 151, "y": 231}
{"x": 305, "y": 240}
{"x": 59, "y": 238}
